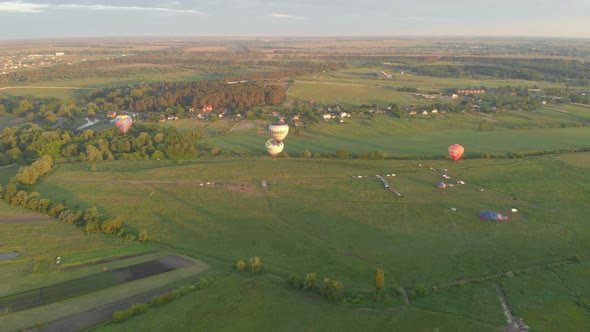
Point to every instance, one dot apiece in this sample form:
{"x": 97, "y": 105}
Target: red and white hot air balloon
{"x": 456, "y": 151}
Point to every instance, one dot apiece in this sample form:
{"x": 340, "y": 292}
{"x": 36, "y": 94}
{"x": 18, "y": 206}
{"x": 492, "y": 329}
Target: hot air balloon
{"x": 279, "y": 130}
{"x": 123, "y": 123}
{"x": 456, "y": 151}
{"x": 111, "y": 114}
{"x": 274, "y": 147}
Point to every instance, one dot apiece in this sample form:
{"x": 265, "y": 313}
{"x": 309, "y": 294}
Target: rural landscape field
{"x": 137, "y": 192}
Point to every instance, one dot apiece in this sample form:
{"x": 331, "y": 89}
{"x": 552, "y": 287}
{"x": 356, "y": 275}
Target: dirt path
{"x": 405, "y": 295}
{"x": 512, "y": 324}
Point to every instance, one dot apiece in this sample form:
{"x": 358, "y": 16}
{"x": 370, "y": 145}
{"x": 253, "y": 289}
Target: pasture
{"x": 317, "y": 217}
{"x": 257, "y": 304}
{"x": 424, "y": 136}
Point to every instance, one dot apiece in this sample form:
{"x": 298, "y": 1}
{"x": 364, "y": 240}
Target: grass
{"x": 420, "y": 137}
{"x": 552, "y": 299}
{"x": 349, "y": 93}
{"x": 317, "y": 218}
{"x": 95, "y": 255}
{"x": 7, "y": 172}
{"x": 259, "y": 305}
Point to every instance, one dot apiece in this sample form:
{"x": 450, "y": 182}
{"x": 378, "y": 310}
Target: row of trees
{"x": 17, "y": 193}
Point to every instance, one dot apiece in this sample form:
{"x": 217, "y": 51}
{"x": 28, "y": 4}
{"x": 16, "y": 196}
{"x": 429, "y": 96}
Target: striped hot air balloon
{"x": 456, "y": 151}
{"x": 123, "y": 123}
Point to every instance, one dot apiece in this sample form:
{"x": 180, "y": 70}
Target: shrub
{"x": 331, "y": 289}
{"x": 130, "y": 237}
{"x": 93, "y": 168}
{"x": 144, "y": 235}
{"x": 138, "y": 308}
{"x": 121, "y": 316}
{"x": 310, "y": 280}
{"x": 185, "y": 289}
{"x": 295, "y": 281}
{"x": 203, "y": 283}
{"x": 241, "y": 265}
{"x": 421, "y": 291}
{"x": 255, "y": 265}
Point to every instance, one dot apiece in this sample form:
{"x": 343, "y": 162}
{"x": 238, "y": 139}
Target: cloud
{"x": 26, "y": 7}
{"x": 21, "y": 7}
{"x": 292, "y": 17}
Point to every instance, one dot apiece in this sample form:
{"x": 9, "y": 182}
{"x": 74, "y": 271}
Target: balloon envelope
{"x": 111, "y": 114}
{"x": 456, "y": 151}
{"x": 279, "y": 130}
{"x": 123, "y": 123}
{"x": 274, "y": 147}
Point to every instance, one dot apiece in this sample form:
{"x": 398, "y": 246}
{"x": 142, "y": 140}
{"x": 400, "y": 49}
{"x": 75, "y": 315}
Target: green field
{"x": 261, "y": 305}
{"x": 317, "y": 217}
{"x": 423, "y": 136}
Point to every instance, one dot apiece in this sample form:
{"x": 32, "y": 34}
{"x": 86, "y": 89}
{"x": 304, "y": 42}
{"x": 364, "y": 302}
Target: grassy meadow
{"x": 261, "y": 305}
{"x": 424, "y": 136}
{"x": 316, "y": 217}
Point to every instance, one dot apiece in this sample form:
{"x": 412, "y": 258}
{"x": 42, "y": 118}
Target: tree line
{"x": 17, "y": 193}
{"x": 160, "y": 96}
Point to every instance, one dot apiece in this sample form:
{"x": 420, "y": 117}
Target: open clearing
{"x": 24, "y": 217}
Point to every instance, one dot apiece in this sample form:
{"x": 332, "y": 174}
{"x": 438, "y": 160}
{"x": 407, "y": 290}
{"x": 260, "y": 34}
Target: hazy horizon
{"x": 38, "y": 19}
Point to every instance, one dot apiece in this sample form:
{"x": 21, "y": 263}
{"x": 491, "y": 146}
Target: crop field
{"x": 367, "y": 76}
{"x": 39, "y": 240}
{"x": 38, "y": 316}
{"x": 92, "y": 283}
{"x": 62, "y": 92}
{"x": 350, "y": 93}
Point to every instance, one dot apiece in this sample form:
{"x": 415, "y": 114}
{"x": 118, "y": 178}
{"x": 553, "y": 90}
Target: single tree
{"x": 379, "y": 282}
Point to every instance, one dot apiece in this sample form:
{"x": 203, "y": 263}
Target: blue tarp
{"x": 491, "y": 215}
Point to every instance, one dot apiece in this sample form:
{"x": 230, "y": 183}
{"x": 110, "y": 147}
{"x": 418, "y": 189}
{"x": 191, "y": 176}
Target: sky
{"x": 120, "y": 18}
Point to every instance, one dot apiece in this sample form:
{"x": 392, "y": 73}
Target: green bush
{"x": 121, "y": 316}
{"x": 421, "y": 291}
{"x": 295, "y": 281}
{"x": 241, "y": 265}
{"x": 138, "y": 309}
{"x": 203, "y": 283}
{"x": 310, "y": 281}
{"x": 331, "y": 289}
